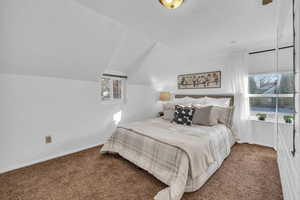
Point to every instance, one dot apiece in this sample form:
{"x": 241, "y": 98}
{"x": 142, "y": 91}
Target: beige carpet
{"x": 249, "y": 173}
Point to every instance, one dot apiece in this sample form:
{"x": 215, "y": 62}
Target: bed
{"x": 182, "y": 157}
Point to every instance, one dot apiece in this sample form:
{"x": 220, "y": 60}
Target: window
{"x": 268, "y": 90}
{"x": 105, "y": 89}
{"x": 111, "y": 89}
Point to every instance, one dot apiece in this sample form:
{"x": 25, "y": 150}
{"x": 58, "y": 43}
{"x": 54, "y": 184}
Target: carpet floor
{"x": 249, "y": 173}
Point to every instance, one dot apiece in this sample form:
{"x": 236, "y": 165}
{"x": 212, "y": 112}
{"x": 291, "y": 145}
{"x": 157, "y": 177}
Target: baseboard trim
{"x": 11, "y": 168}
{"x": 262, "y": 144}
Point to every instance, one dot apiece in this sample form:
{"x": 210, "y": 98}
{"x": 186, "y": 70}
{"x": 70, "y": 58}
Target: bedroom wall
{"x": 162, "y": 65}
{"x": 33, "y": 107}
{"x": 265, "y": 62}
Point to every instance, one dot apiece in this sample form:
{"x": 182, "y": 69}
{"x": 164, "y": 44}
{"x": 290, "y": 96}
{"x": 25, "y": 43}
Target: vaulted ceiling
{"x": 79, "y": 39}
{"x": 198, "y": 26}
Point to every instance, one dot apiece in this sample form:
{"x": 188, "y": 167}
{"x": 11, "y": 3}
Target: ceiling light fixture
{"x": 265, "y": 2}
{"x": 171, "y": 4}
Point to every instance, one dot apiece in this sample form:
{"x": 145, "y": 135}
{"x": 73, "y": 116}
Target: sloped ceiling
{"x": 61, "y": 38}
{"x": 130, "y": 51}
{"x": 198, "y": 26}
{"x": 79, "y": 39}
{"x": 159, "y": 65}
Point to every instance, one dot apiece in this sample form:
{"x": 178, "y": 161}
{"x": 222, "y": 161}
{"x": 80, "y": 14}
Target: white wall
{"x": 265, "y": 62}
{"x": 68, "y": 110}
{"x": 263, "y": 133}
{"x": 162, "y": 65}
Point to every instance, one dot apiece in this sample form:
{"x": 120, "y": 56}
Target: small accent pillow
{"x": 169, "y": 114}
{"x": 207, "y": 116}
{"x": 168, "y": 110}
{"x": 183, "y": 115}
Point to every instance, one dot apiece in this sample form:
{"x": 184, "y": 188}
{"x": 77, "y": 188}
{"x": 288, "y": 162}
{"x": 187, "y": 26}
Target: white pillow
{"x": 198, "y": 105}
{"x": 190, "y": 100}
{"x": 181, "y": 100}
{"x": 222, "y": 102}
{"x": 199, "y": 101}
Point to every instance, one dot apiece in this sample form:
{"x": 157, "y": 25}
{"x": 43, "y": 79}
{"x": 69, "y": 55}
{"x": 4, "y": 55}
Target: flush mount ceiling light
{"x": 265, "y": 2}
{"x": 171, "y": 4}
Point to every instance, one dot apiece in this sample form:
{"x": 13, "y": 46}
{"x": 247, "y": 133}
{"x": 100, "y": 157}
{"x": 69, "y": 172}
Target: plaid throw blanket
{"x": 179, "y": 160}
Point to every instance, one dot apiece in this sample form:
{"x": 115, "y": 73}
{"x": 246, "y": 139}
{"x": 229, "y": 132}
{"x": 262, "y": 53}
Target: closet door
{"x": 285, "y": 68}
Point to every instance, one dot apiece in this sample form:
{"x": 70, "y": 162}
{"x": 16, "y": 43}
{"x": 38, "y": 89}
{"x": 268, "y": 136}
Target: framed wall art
{"x": 203, "y": 80}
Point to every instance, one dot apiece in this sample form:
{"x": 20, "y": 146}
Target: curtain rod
{"x": 268, "y": 50}
{"x": 293, "y": 151}
{"x": 116, "y": 76}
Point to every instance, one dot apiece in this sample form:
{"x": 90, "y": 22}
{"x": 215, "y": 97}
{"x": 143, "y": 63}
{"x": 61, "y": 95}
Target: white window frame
{"x": 253, "y": 113}
{"x": 111, "y": 99}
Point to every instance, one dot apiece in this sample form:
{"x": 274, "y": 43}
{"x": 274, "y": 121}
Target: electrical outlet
{"x": 48, "y": 139}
